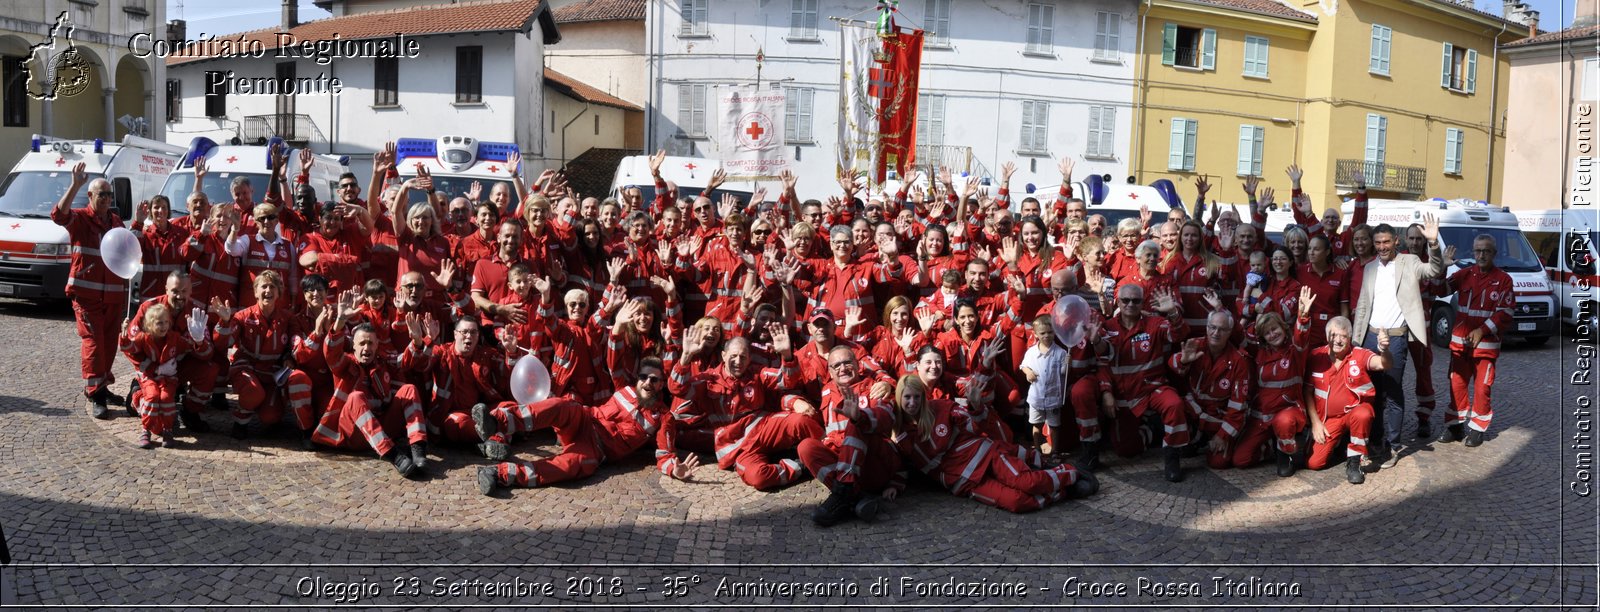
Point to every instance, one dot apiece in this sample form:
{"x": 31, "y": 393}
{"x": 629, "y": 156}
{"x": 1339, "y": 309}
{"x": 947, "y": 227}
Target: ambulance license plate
{"x": 1526, "y": 326}
{"x": 8, "y": 290}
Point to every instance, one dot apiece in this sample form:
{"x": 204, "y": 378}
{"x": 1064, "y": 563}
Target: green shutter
{"x": 1472, "y": 71}
{"x": 1169, "y": 44}
{"x": 1246, "y": 147}
{"x": 1444, "y": 69}
{"x": 1451, "y": 161}
{"x": 1208, "y": 49}
{"x": 1259, "y": 151}
{"x": 1191, "y": 128}
{"x": 1175, "y": 146}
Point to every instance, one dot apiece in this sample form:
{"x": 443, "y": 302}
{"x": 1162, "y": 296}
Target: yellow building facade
{"x": 1401, "y": 92}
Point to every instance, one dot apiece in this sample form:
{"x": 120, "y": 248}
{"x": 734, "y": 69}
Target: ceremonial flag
{"x": 751, "y": 133}
{"x": 897, "y": 106}
{"x": 859, "y": 53}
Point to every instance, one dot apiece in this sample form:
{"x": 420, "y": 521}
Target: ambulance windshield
{"x": 181, "y": 184}
{"x": 1514, "y": 253}
{"x": 455, "y": 186}
{"x": 33, "y": 194}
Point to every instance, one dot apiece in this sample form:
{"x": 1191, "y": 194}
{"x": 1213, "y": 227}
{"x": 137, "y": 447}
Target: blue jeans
{"x": 1389, "y": 406}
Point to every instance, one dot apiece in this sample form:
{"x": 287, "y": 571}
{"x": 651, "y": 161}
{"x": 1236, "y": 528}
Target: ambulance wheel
{"x": 1443, "y": 320}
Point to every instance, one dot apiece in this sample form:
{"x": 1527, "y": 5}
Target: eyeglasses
{"x": 100, "y": 194}
{"x": 265, "y": 218}
{"x": 1132, "y": 300}
{"x": 349, "y": 186}
{"x": 651, "y": 378}
{"x": 841, "y": 364}
{"x": 577, "y": 304}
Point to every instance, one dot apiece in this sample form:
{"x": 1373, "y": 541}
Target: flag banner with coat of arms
{"x": 879, "y": 75}
{"x": 751, "y": 133}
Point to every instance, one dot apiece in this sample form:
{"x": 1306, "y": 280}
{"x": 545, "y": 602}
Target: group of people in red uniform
{"x": 854, "y": 341}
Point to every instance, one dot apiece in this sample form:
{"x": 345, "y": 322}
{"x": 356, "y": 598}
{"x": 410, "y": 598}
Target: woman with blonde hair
{"x": 1194, "y": 270}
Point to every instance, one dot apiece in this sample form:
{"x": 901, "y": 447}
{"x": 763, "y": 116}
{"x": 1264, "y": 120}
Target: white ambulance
{"x": 456, "y": 162}
{"x": 1565, "y": 241}
{"x": 226, "y": 161}
{"x": 1113, "y": 200}
{"x": 34, "y": 252}
{"x": 690, "y": 174}
{"x": 1460, "y": 221}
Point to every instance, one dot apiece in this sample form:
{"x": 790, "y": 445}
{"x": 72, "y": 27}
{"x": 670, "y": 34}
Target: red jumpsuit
{"x": 1035, "y": 275}
{"x": 262, "y": 343}
{"x": 1135, "y": 375}
{"x": 972, "y": 465}
{"x": 1192, "y": 277}
{"x": 854, "y": 453}
{"x": 1330, "y": 289}
{"x": 576, "y": 355}
{"x": 472, "y": 248}
{"x": 837, "y": 288}
{"x": 342, "y": 258}
{"x": 1219, "y": 395}
{"x": 459, "y": 383}
{"x": 98, "y": 296}
{"x": 165, "y": 252}
{"x": 622, "y": 356}
{"x": 197, "y": 368}
{"x": 1421, "y": 353}
{"x": 588, "y": 435}
{"x": 1280, "y": 296}
{"x": 745, "y": 432}
{"x": 425, "y": 255}
{"x": 1280, "y": 394}
{"x": 370, "y": 406}
{"x": 1344, "y": 395}
{"x": 1484, "y": 299}
{"x": 215, "y": 272}
{"x": 157, "y": 398}
{"x": 1121, "y": 264}
{"x": 718, "y": 279}
{"x": 285, "y": 259}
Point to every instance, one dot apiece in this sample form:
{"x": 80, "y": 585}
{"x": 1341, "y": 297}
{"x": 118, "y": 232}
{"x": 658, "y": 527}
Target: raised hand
{"x": 853, "y": 318}
{"x": 665, "y": 284}
{"x": 992, "y": 350}
{"x": 1307, "y": 296}
{"x": 905, "y": 339}
{"x": 655, "y": 162}
{"x": 781, "y": 343}
{"x": 664, "y": 251}
{"x": 80, "y": 175}
{"x": 789, "y": 180}
{"x": 414, "y": 327}
{"x": 223, "y": 310}
{"x": 759, "y": 195}
{"x": 1268, "y": 197}
{"x": 1430, "y": 227}
{"x": 542, "y": 284}
{"x": 306, "y": 159}
{"x": 514, "y": 161}
{"x": 718, "y": 177}
{"x": 927, "y": 318}
{"x": 615, "y": 267}
{"x": 1250, "y": 184}
{"x": 1212, "y": 302}
{"x": 1006, "y": 170}
{"x": 1202, "y": 186}
{"x": 1191, "y": 350}
{"x": 689, "y": 463}
{"x": 888, "y": 247}
{"x": 946, "y": 179}
{"x": 729, "y": 204}
{"x": 1010, "y": 250}
{"x": 1144, "y": 215}
{"x": 1295, "y": 173}
{"x": 430, "y": 325}
{"x": 1066, "y": 169}
{"x": 447, "y": 273}
{"x": 199, "y": 170}
{"x": 1164, "y": 301}
{"x": 197, "y": 325}
{"x": 475, "y": 192}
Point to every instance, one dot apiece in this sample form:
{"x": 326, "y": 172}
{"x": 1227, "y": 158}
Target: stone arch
{"x": 134, "y": 83}
{"x": 79, "y": 110}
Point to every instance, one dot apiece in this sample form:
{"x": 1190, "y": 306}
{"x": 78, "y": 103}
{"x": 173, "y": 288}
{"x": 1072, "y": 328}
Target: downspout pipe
{"x": 1494, "y": 109}
{"x": 1144, "y": 93}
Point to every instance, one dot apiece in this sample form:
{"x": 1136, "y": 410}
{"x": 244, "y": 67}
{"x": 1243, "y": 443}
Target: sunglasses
{"x": 651, "y": 378}
{"x": 761, "y": 232}
{"x": 840, "y": 364}
{"x": 701, "y": 208}
{"x": 1132, "y": 300}
{"x": 100, "y": 194}
{"x": 265, "y": 218}
{"x": 348, "y": 186}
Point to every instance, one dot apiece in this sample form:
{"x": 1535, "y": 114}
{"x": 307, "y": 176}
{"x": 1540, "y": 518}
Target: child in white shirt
{"x": 1045, "y": 366}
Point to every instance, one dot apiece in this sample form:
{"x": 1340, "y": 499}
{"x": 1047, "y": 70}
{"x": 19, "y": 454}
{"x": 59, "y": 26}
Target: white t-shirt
{"x": 1050, "y": 390}
{"x": 1386, "y": 312}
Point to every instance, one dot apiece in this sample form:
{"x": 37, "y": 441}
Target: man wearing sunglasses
{"x": 97, "y": 294}
{"x": 1485, "y": 297}
{"x": 1135, "y": 383}
{"x": 588, "y": 435}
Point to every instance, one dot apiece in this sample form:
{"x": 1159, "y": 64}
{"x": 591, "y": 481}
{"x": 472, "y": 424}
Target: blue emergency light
{"x": 273, "y": 143}
{"x": 99, "y": 146}
{"x": 1096, "y": 186}
{"x": 199, "y": 148}
{"x": 414, "y": 147}
{"x": 495, "y": 151}
{"x": 35, "y": 144}
{"x": 1169, "y": 192}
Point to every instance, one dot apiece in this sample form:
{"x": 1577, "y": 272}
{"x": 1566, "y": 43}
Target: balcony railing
{"x": 958, "y": 159}
{"x": 295, "y": 128}
{"x": 1407, "y": 180}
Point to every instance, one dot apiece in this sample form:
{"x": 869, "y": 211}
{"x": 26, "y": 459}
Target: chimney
{"x": 1519, "y": 12}
{"x": 177, "y": 32}
{"x": 291, "y": 14}
{"x": 1585, "y": 14}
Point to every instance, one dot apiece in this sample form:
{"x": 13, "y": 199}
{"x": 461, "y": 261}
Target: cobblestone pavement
{"x": 93, "y": 520}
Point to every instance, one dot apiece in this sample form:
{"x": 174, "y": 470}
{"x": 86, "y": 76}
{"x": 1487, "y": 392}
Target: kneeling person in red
{"x": 370, "y": 406}
{"x": 1341, "y": 396}
{"x": 588, "y": 435}
{"x": 855, "y": 458}
{"x": 155, "y": 348}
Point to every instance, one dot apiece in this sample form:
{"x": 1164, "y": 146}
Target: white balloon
{"x": 530, "y": 380}
{"x": 1068, "y": 319}
{"x": 119, "y": 248}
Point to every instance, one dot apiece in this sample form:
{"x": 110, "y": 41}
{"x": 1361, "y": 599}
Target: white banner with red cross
{"x": 752, "y": 124}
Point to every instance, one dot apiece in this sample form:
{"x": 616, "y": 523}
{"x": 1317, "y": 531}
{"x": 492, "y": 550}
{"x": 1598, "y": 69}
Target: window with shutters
{"x": 937, "y": 19}
{"x": 1255, "y": 56}
{"x": 930, "y": 124}
{"x": 1041, "y": 27}
{"x": 1181, "y": 150}
{"x": 1378, "y": 62}
{"x": 803, "y": 19}
{"x": 174, "y": 102}
{"x": 694, "y": 18}
{"x": 216, "y": 94}
{"x": 1108, "y": 37}
{"x": 1459, "y": 69}
{"x": 1251, "y": 142}
{"x": 1453, "y": 147}
{"x": 692, "y": 109}
{"x": 1377, "y": 142}
{"x": 469, "y": 74}
{"x": 797, "y": 116}
{"x": 385, "y": 81}
{"x": 1035, "y": 137}
{"x": 1102, "y": 132}
{"x": 1189, "y": 47}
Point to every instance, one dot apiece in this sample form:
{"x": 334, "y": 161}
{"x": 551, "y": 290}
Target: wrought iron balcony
{"x": 295, "y": 128}
{"x": 1394, "y": 178}
{"x": 958, "y": 159}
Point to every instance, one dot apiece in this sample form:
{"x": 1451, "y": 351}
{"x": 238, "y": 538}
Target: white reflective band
{"x": 94, "y": 286}
{"x": 214, "y": 275}
{"x": 1280, "y": 384}
{"x": 79, "y": 250}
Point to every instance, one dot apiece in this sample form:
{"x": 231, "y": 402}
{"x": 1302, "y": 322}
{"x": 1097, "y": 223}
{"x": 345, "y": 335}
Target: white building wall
{"x": 352, "y": 125}
{"x": 570, "y": 127}
{"x": 983, "y": 73}
{"x": 607, "y": 55}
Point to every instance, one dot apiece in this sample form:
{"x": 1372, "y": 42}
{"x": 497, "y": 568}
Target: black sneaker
{"x": 838, "y": 507}
{"x": 419, "y": 454}
{"x": 1171, "y": 464}
{"x": 1454, "y": 433}
{"x": 191, "y": 421}
{"x": 484, "y": 422}
{"x": 1085, "y": 486}
{"x": 488, "y": 479}
{"x": 1424, "y": 431}
{"x": 1285, "y": 464}
{"x": 1474, "y": 438}
{"x": 1352, "y": 471}
{"x": 240, "y": 430}
{"x": 401, "y": 458}
{"x": 1089, "y": 457}
{"x": 869, "y": 508}
{"x": 98, "y": 409}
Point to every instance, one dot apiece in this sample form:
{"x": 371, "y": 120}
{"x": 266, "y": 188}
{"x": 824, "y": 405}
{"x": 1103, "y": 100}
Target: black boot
{"x": 127, "y": 401}
{"x": 1172, "y": 466}
{"x": 1424, "y": 431}
{"x": 1089, "y": 457}
{"x": 1454, "y": 433}
{"x": 1474, "y": 438}
{"x": 1285, "y": 464}
{"x": 219, "y": 400}
{"x": 419, "y": 454}
{"x": 401, "y": 458}
{"x": 1085, "y": 486}
{"x": 305, "y": 439}
{"x": 99, "y": 409}
{"x": 868, "y": 508}
{"x": 1352, "y": 471}
{"x": 838, "y": 507}
{"x": 488, "y": 479}
{"x": 240, "y": 430}
{"x": 191, "y": 421}
{"x": 483, "y": 421}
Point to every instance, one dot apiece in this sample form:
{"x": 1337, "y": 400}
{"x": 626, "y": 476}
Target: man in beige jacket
{"x": 1391, "y": 303}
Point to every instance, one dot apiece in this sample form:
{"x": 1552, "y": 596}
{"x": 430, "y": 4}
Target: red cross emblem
{"x": 754, "y": 131}
{"x": 61, "y": 161}
{"x": 1133, "y": 196}
{"x": 16, "y": 226}
{"x": 494, "y": 168}
{"x": 690, "y": 166}
{"x": 232, "y": 159}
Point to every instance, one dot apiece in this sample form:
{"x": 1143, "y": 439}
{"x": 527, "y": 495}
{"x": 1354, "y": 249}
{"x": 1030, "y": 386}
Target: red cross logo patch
{"x": 1355, "y": 370}
{"x": 942, "y": 430}
{"x": 1224, "y": 384}
{"x": 1494, "y": 296}
{"x": 749, "y": 392}
{"x": 1284, "y": 363}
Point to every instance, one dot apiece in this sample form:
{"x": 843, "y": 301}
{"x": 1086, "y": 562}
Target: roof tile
{"x": 601, "y": 10}
{"x": 1590, "y": 32}
{"x": 1263, "y": 7}
{"x": 580, "y": 90}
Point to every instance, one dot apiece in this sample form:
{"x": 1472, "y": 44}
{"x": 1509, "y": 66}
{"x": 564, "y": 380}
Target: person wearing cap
{"x": 813, "y": 357}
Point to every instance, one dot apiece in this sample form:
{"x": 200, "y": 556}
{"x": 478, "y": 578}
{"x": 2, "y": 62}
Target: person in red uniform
{"x": 1133, "y": 379}
{"x": 1219, "y": 374}
{"x": 1341, "y": 397}
{"x": 421, "y": 243}
{"x": 266, "y": 249}
{"x": 370, "y": 406}
{"x": 482, "y": 242}
{"x": 738, "y": 401}
{"x": 1485, "y": 296}
{"x": 165, "y": 245}
{"x": 938, "y": 438}
{"x": 854, "y": 459}
{"x": 589, "y": 436}
{"x": 1280, "y": 366}
{"x": 1326, "y": 280}
{"x": 464, "y": 373}
{"x": 215, "y": 271}
{"x": 198, "y": 369}
{"x": 155, "y": 347}
{"x": 1341, "y": 241}
{"x": 262, "y": 374}
{"x": 338, "y": 249}
{"x": 312, "y": 324}
{"x": 1420, "y": 354}
{"x": 1193, "y": 270}
{"x": 846, "y": 281}
{"x": 98, "y": 296}
{"x": 574, "y": 345}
